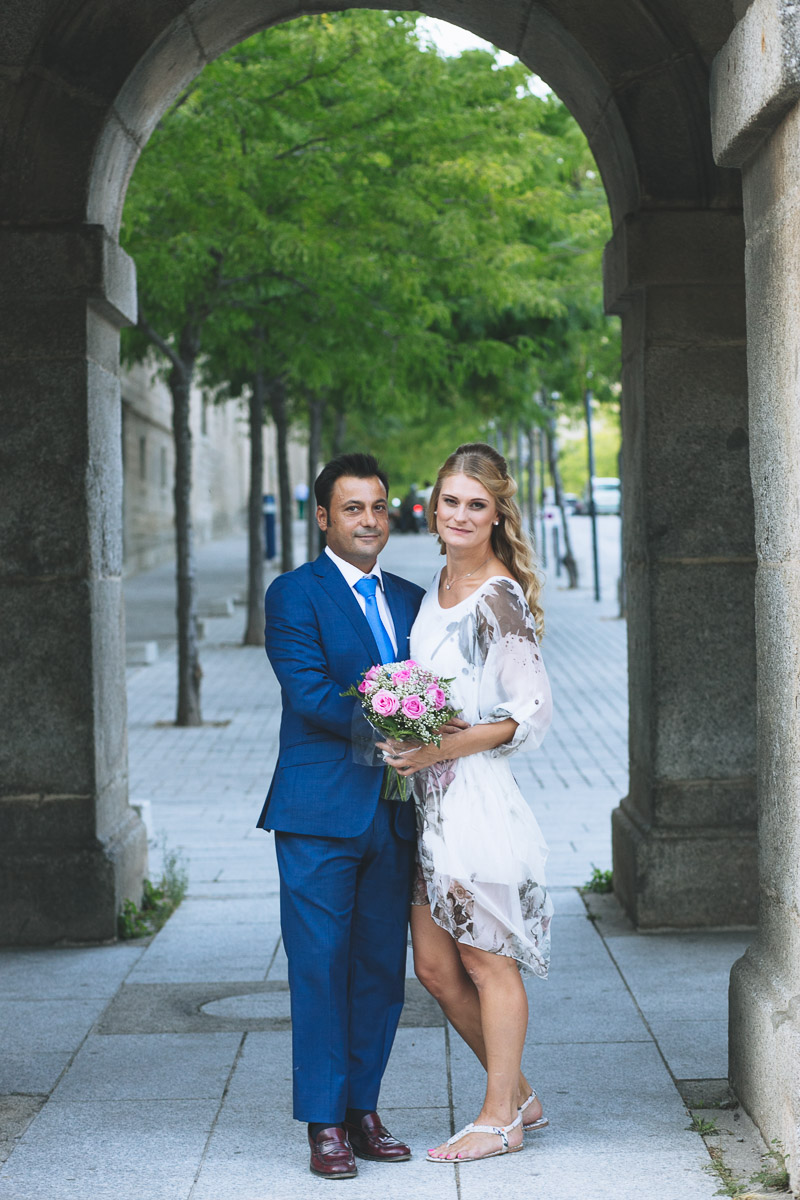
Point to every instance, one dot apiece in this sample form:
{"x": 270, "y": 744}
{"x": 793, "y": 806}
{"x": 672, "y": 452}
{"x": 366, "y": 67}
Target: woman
{"x": 481, "y": 910}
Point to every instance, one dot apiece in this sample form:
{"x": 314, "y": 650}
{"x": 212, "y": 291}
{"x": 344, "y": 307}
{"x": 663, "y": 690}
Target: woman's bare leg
{"x": 503, "y": 1011}
{"x": 503, "y": 1008}
{"x": 438, "y": 966}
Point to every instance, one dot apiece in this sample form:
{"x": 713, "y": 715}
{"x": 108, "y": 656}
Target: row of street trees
{"x": 367, "y": 241}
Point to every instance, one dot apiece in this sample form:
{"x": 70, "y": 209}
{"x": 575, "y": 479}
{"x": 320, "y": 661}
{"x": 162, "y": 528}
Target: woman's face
{"x": 465, "y": 514}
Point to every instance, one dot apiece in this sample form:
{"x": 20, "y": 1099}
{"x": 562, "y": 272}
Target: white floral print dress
{"x": 481, "y": 853}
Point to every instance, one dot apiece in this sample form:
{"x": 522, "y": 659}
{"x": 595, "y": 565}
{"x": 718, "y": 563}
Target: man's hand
{"x": 408, "y": 761}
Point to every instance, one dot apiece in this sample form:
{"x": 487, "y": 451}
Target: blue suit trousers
{"x": 344, "y": 914}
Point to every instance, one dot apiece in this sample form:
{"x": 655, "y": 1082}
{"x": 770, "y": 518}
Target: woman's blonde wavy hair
{"x": 510, "y": 543}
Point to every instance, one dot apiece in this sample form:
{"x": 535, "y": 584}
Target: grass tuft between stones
{"x": 159, "y": 900}
{"x": 600, "y": 881}
{"x": 702, "y": 1126}
{"x": 774, "y": 1175}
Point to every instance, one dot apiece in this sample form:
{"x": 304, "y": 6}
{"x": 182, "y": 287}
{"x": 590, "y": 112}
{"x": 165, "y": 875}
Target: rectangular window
{"x": 163, "y": 466}
{"x": 142, "y": 458}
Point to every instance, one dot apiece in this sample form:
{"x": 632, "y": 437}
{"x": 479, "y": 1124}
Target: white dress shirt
{"x": 352, "y": 576}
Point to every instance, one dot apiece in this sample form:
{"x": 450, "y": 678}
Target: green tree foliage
{"x": 400, "y": 243}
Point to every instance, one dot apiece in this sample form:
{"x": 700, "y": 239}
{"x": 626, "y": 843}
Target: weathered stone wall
{"x": 685, "y": 836}
{"x": 70, "y": 847}
{"x": 756, "y": 86}
{"x": 220, "y": 465}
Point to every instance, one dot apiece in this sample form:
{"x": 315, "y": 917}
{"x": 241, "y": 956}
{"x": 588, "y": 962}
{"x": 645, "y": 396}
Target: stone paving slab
{"x": 240, "y": 952}
{"x": 700, "y": 964}
{"x": 110, "y": 1150}
{"x": 69, "y": 974}
{"x": 159, "y": 1066}
{"x": 693, "y": 1049}
{"x": 31, "y": 1072}
{"x": 47, "y": 1026}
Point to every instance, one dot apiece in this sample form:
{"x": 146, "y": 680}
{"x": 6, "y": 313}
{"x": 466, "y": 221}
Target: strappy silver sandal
{"x": 502, "y": 1131}
{"x": 540, "y": 1122}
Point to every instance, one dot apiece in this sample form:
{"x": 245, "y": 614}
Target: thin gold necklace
{"x": 447, "y": 585}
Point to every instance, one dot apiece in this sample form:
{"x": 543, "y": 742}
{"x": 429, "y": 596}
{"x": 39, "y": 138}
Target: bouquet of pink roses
{"x": 404, "y": 701}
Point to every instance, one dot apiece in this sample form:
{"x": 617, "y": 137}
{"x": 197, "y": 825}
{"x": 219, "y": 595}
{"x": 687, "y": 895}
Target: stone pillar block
{"x": 70, "y": 847}
{"x": 756, "y": 119}
{"x": 684, "y": 838}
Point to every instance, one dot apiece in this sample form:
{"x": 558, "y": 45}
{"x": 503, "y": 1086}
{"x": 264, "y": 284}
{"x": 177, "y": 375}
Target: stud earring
{"x": 496, "y": 522}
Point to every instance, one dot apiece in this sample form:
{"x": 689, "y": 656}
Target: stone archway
{"x": 83, "y": 84}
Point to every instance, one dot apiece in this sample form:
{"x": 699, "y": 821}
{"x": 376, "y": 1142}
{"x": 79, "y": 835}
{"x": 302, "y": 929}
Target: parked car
{"x": 606, "y": 492}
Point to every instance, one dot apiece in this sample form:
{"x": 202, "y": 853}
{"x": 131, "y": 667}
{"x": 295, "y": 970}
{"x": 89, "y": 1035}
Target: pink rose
{"x": 371, "y": 674}
{"x": 400, "y": 677}
{"x": 362, "y": 687}
{"x": 384, "y": 703}
{"x": 437, "y": 696}
{"x": 410, "y": 663}
{"x": 413, "y": 706}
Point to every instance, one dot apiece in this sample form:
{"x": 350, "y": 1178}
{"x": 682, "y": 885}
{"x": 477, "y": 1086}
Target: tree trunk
{"x": 621, "y": 588}
{"x": 254, "y": 629}
{"x": 339, "y": 433}
{"x": 278, "y": 410}
{"x": 189, "y": 671}
{"x": 532, "y": 483}
{"x": 520, "y": 476}
{"x": 512, "y": 455}
{"x": 555, "y": 473}
{"x": 316, "y": 412}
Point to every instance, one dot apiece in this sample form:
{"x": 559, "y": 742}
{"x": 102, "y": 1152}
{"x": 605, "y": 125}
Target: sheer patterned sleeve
{"x": 513, "y": 680}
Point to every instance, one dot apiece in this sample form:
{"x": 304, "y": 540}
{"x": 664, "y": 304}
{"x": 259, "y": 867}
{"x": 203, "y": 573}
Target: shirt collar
{"x": 352, "y": 574}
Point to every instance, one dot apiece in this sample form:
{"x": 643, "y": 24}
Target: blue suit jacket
{"x": 319, "y": 643}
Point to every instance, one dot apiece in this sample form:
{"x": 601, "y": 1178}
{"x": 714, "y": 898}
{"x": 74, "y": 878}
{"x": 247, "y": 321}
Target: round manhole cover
{"x": 252, "y": 1007}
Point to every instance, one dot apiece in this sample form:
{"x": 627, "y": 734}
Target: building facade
{"x": 220, "y": 464}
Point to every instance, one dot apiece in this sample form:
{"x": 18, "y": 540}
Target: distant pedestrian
{"x": 301, "y": 497}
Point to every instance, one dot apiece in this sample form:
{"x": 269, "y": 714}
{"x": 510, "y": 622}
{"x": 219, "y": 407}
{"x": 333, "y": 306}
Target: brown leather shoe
{"x": 331, "y": 1154}
{"x": 370, "y": 1140}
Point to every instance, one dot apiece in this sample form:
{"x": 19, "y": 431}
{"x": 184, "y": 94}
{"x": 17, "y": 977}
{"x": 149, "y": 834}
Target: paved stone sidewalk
{"x": 167, "y": 1065}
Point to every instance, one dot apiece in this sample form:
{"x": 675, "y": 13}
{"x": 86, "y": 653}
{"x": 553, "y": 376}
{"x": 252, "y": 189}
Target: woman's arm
{"x": 459, "y": 744}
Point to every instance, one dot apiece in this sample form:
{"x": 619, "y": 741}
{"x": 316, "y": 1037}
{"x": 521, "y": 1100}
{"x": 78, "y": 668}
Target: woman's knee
{"x": 441, "y": 974}
{"x": 436, "y": 962}
{"x": 484, "y": 968}
{"x": 436, "y": 977}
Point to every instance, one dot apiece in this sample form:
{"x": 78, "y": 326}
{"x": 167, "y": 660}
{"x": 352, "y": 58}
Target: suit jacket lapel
{"x": 342, "y": 596}
{"x": 397, "y": 607}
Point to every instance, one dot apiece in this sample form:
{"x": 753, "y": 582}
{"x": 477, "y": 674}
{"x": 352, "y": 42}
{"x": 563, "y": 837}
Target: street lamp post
{"x": 587, "y": 396}
{"x": 543, "y": 538}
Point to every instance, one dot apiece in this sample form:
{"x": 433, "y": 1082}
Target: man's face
{"x": 357, "y": 523}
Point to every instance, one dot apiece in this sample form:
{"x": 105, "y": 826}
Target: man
{"x": 345, "y": 855}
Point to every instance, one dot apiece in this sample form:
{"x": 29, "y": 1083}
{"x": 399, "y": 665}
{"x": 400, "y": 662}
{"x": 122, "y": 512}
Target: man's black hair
{"x": 361, "y": 466}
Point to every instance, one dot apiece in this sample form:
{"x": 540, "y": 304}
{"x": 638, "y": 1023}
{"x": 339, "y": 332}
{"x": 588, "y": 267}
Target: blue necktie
{"x": 367, "y": 587}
